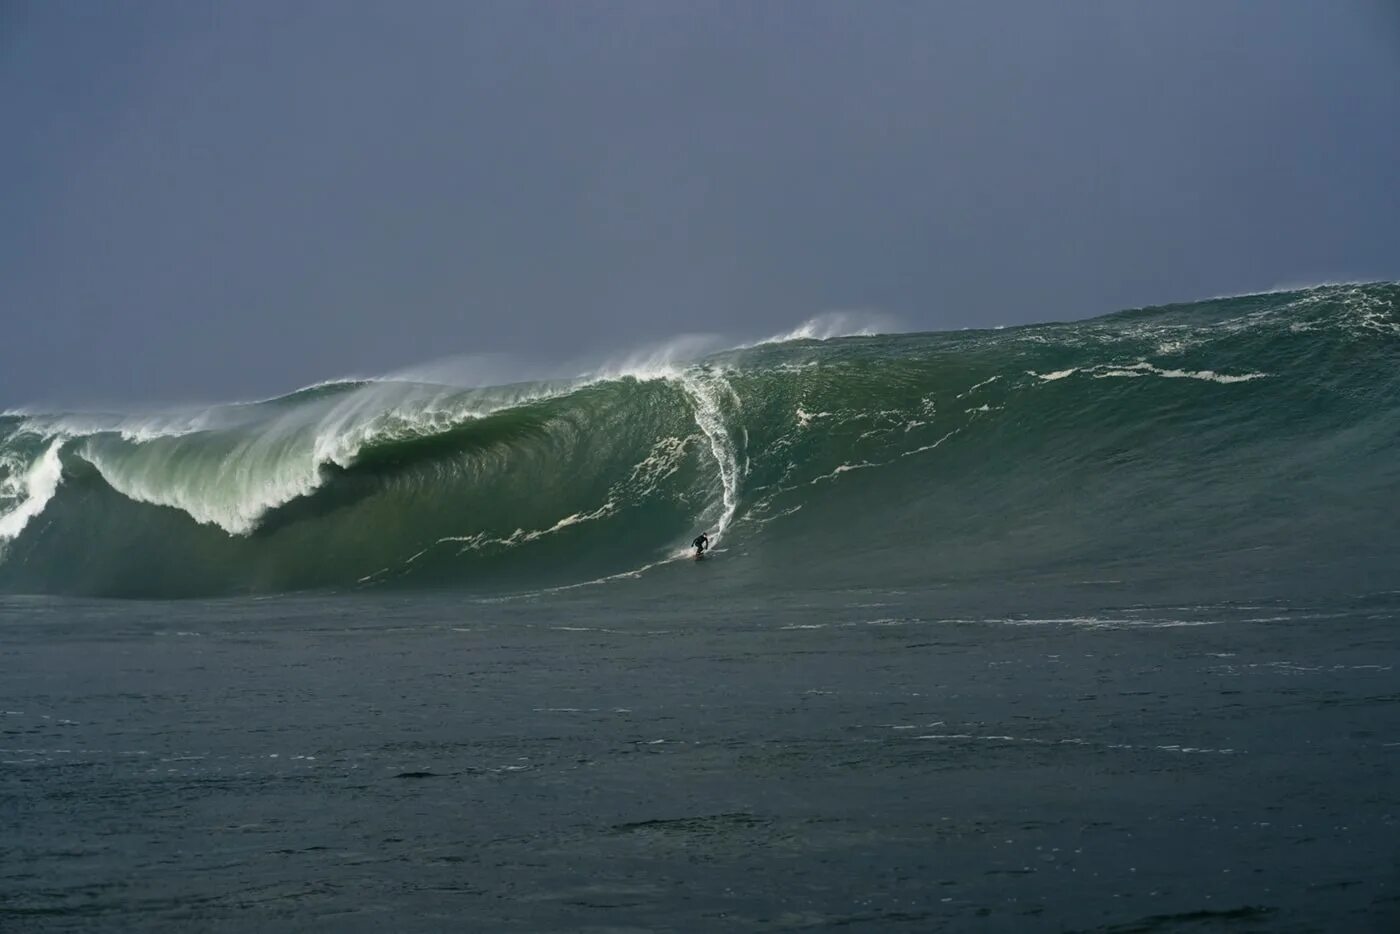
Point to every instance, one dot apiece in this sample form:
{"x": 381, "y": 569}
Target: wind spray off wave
{"x": 1146, "y": 443}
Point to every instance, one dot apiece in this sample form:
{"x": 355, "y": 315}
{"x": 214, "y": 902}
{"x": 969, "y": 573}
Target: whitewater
{"x": 402, "y": 481}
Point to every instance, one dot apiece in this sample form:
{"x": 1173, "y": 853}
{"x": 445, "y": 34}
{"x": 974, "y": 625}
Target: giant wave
{"x": 1246, "y": 440}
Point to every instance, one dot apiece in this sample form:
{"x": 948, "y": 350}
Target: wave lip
{"x": 30, "y": 488}
{"x": 835, "y": 324}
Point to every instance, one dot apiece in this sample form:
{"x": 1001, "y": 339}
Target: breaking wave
{"x": 1254, "y": 433}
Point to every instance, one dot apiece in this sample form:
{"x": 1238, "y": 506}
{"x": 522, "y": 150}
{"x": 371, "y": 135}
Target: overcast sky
{"x": 222, "y": 200}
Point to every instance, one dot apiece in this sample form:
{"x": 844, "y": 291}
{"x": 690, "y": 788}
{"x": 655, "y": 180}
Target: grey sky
{"x": 227, "y": 200}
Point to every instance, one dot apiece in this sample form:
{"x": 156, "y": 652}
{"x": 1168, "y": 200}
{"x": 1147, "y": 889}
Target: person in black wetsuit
{"x": 702, "y": 542}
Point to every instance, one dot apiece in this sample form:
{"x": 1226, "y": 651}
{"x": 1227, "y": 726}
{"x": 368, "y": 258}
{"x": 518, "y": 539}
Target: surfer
{"x": 702, "y": 541}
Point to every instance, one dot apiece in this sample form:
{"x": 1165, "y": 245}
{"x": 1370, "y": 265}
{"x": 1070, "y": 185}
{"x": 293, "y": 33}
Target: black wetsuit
{"x": 700, "y": 544}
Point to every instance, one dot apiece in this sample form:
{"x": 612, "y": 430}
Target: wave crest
{"x": 930, "y": 451}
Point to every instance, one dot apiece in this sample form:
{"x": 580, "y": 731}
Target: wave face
{"x": 1247, "y": 442}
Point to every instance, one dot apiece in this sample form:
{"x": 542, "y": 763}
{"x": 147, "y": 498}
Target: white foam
{"x": 930, "y": 447}
{"x": 759, "y": 522}
{"x": 1285, "y": 287}
{"x": 705, "y": 392}
{"x": 844, "y": 468}
{"x": 521, "y": 536}
{"x": 248, "y": 458}
{"x": 252, "y": 458}
{"x": 707, "y": 388}
{"x": 976, "y": 386}
{"x": 1096, "y": 622}
{"x": 1074, "y": 741}
{"x": 32, "y": 488}
{"x": 668, "y": 360}
{"x": 1143, "y": 368}
{"x": 281, "y": 458}
{"x": 835, "y": 324}
{"x": 233, "y": 494}
{"x": 865, "y": 465}
{"x": 663, "y": 460}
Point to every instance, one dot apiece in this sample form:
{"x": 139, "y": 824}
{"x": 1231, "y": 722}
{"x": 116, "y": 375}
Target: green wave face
{"x": 1248, "y": 440}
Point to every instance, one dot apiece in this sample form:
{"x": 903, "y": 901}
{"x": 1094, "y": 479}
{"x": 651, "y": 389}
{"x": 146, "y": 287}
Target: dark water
{"x": 600, "y": 761}
{"x": 1074, "y": 627}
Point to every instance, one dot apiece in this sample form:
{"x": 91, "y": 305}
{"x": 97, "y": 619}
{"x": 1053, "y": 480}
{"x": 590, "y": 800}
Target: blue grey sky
{"x": 224, "y": 200}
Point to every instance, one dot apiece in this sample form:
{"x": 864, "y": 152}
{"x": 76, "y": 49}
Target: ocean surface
{"x": 1067, "y": 627}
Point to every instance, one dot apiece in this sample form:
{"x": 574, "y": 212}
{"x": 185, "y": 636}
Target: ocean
{"x": 1081, "y": 626}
